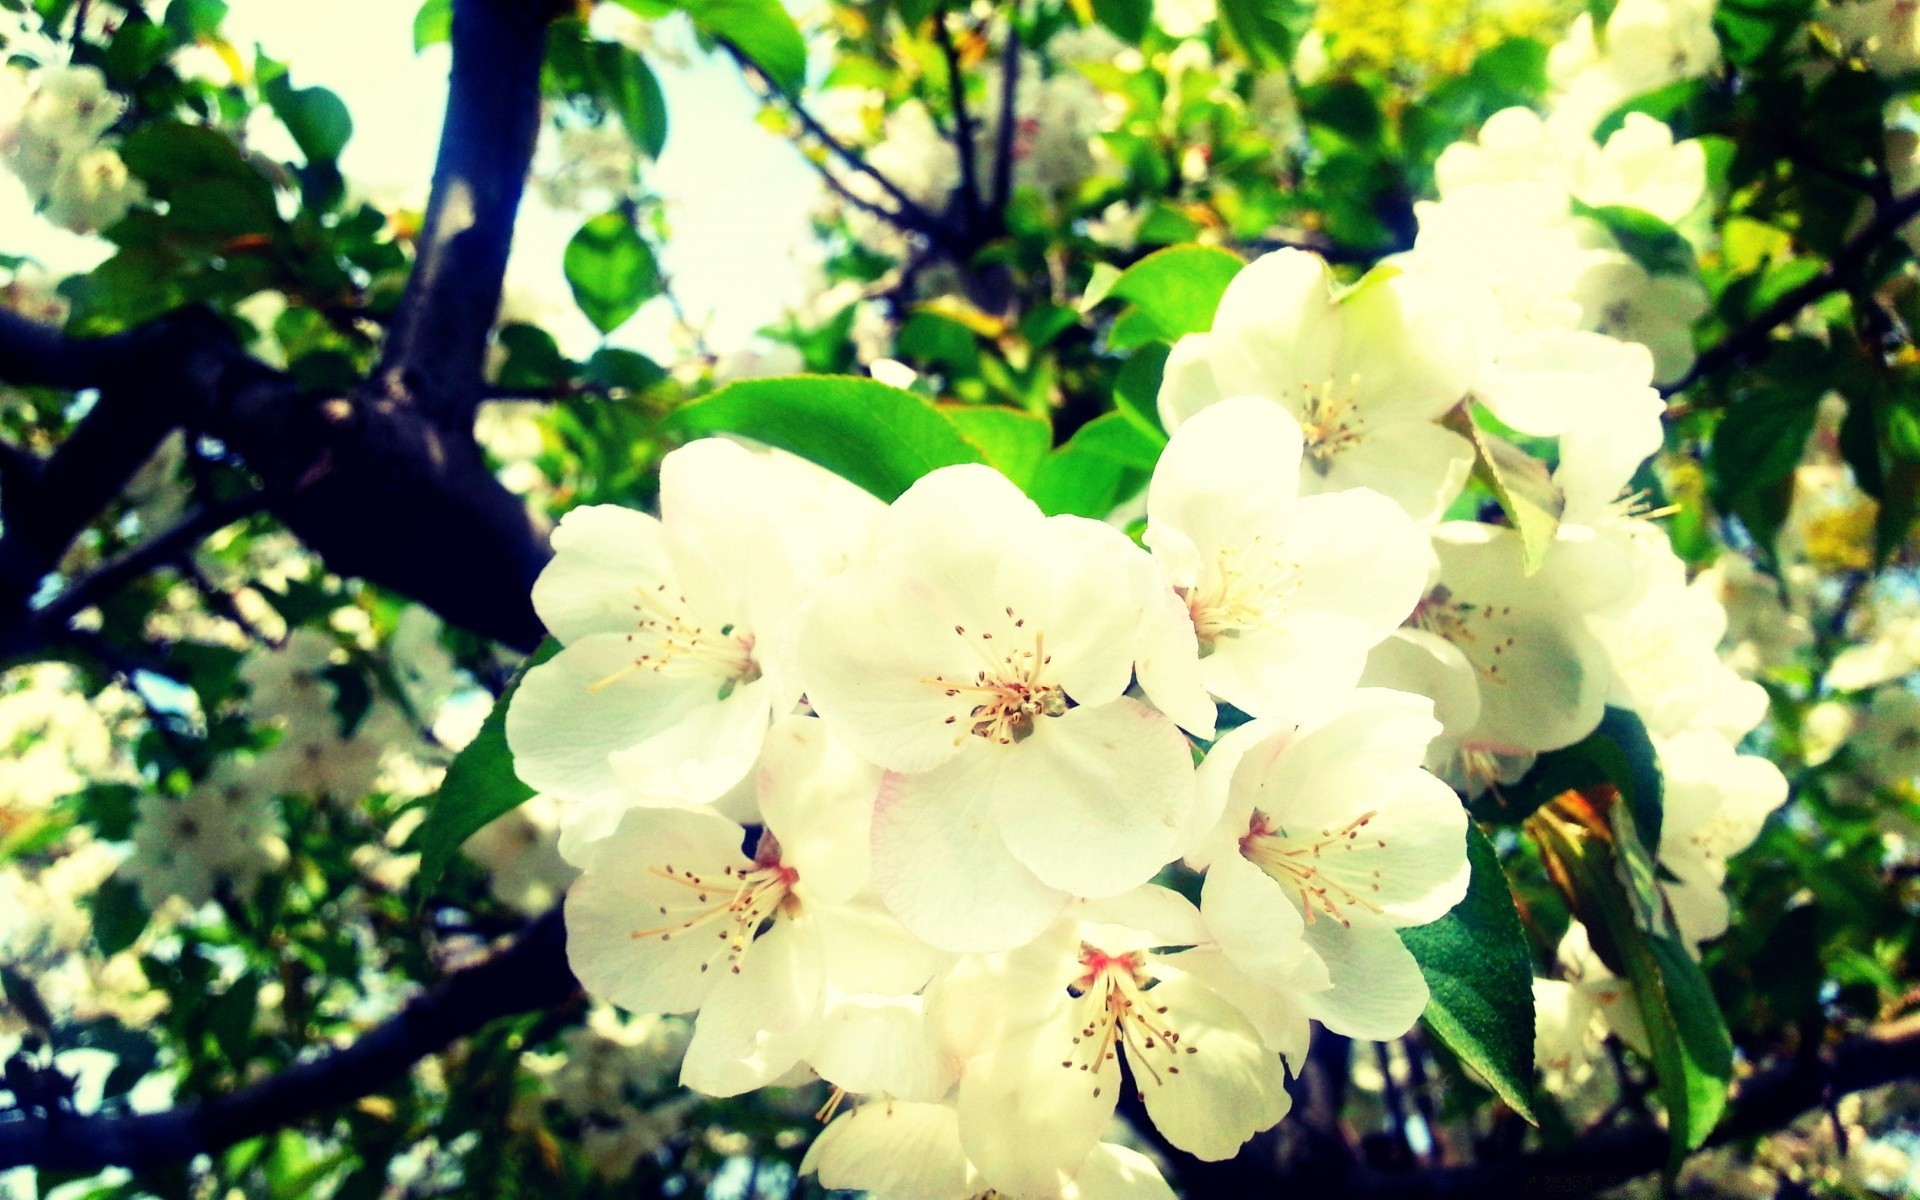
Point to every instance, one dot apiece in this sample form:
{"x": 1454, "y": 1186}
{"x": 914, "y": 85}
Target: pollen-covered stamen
{"x": 1116, "y": 1012}
{"x": 677, "y": 643}
{"x": 1011, "y": 693}
{"x": 1310, "y": 864}
{"x": 740, "y": 900}
{"x": 1474, "y": 628}
{"x": 1248, "y": 588}
{"x": 1330, "y": 420}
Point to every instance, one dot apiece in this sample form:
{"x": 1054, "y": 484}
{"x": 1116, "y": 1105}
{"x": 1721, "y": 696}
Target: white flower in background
{"x": 1887, "y": 746}
{"x": 907, "y": 1151}
{"x": 1287, "y": 593}
{"x": 1885, "y": 34}
{"x": 1646, "y": 45}
{"x": 670, "y": 915}
{"x": 586, "y": 166}
{"x": 1085, "y": 44}
{"x": 324, "y": 747}
{"x": 1893, "y": 652}
{"x": 1042, "y": 1031}
{"x": 762, "y": 361}
{"x": 918, "y": 159}
{"x": 1331, "y": 837}
{"x": 1715, "y": 803}
{"x": 521, "y": 852}
{"x": 1641, "y": 166}
{"x": 1620, "y": 299}
{"x": 983, "y": 659}
{"x": 34, "y": 294}
{"x": 420, "y": 661}
{"x": 1183, "y": 18}
{"x": 55, "y": 739}
{"x": 677, "y": 630}
{"x": 50, "y": 130}
{"x": 1365, "y": 371}
{"x": 1665, "y": 650}
{"x": 223, "y": 832}
{"x": 609, "y": 1075}
{"x": 1055, "y": 120}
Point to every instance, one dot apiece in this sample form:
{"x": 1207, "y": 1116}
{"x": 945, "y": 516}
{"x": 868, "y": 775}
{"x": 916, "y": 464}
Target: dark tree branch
{"x": 1751, "y": 340}
{"x": 1767, "y": 1101}
{"x": 963, "y": 139}
{"x": 437, "y": 343}
{"x": 908, "y": 213}
{"x": 531, "y": 975}
{"x": 1003, "y": 145}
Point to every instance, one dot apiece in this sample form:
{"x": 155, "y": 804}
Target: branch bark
{"x": 531, "y": 975}
{"x": 437, "y": 343}
{"x": 1752, "y": 338}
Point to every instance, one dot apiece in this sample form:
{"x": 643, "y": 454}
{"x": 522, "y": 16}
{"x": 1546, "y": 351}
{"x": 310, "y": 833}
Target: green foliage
{"x": 862, "y": 430}
{"x": 611, "y": 269}
{"x": 1480, "y": 979}
{"x": 1174, "y": 291}
{"x": 761, "y": 29}
{"x": 1617, "y": 754}
{"x": 479, "y": 787}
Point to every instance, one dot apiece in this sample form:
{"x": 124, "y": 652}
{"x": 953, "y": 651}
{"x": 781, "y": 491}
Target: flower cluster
{"x": 53, "y": 126}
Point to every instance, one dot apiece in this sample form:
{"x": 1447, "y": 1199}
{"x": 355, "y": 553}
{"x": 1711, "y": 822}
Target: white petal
{"x": 1025, "y": 1119}
{"x": 1219, "y": 1085}
{"x": 869, "y": 951}
{"x": 1275, "y": 1013}
{"x": 1116, "y": 1173}
{"x": 702, "y": 756}
{"x": 870, "y": 1044}
{"x": 1162, "y": 916}
{"x": 1378, "y": 992}
{"x": 942, "y": 867}
{"x": 817, "y": 797}
{"x": 1419, "y": 467}
{"x": 1254, "y": 921}
{"x": 1093, "y": 802}
{"x": 892, "y": 1148}
{"x": 602, "y": 554}
{"x": 756, "y": 1024}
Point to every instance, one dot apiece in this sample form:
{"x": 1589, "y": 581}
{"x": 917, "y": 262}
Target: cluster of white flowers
{"x": 53, "y": 125}
{"x": 225, "y": 832}
{"x": 607, "y": 1076}
{"x": 319, "y": 752}
{"x": 1644, "y": 45}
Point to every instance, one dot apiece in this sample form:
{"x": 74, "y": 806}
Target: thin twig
{"x": 1003, "y": 147}
{"x": 963, "y": 140}
{"x": 910, "y": 215}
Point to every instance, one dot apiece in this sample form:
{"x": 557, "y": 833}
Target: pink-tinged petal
{"x": 1094, "y": 801}
{"x": 1275, "y": 1013}
{"x": 602, "y": 556}
{"x": 941, "y": 866}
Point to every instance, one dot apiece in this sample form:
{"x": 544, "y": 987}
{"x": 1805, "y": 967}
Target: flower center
{"x": 741, "y": 901}
{"x": 1245, "y": 590}
{"x": 1468, "y": 626}
{"x": 1302, "y": 863}
{"x": 1330, "y": 420}
{"x": 679, "y": 644}
{"x": 1119, "y": 1014}
{"x": 1011, "y": 694}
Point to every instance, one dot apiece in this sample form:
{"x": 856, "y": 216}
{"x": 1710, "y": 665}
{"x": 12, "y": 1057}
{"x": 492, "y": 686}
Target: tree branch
{"x": 437, "y": 343}
{"x": 908, "y": 214}
{"x": 1751, "y": 339}
{"x": 529, "y": 976}
{"x": 1003, "y": 146}
{"x": 963, "y": 142}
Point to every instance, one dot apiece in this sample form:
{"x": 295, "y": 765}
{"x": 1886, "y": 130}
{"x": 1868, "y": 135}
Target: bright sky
{"x": 737, "y": 195}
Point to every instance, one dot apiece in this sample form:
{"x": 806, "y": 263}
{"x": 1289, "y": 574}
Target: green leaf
{"x": 628, "y": 86}
{"x": 118, "y": 915}
{"x": 610, "y": 269}
{"x": 1760, "y": 440}
{"x": 876, "y": 436}
{"x": 1128, "y": 18}
{"x": 1520, "y": 482}
{"x": 761, "y": 29}
{"x": 480, "y": 785}
{"x": 1178, "y": 289}
{"x": 1608, "y": 876}
{"x": 1479, "y": 981}
{"x": 208, "y": 185}
{"x": 433, "y": 23}
{"x": 24, "y": 999}
{"x": 1012, "y": 442}
{"x": 1117, "y": 436}
{"x": 191, "y": 20}
{"x": 1266, "y": 31}
{"x": 533, "y": 359}
{"x": 1617, "y": 754}
{"x": 317, "y": 119}
{"x": 1136, "y": 389}
{"x": 1643, "y": 237}
{"x": 625, "y": 370}
{"x": 1076, "y": 481}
